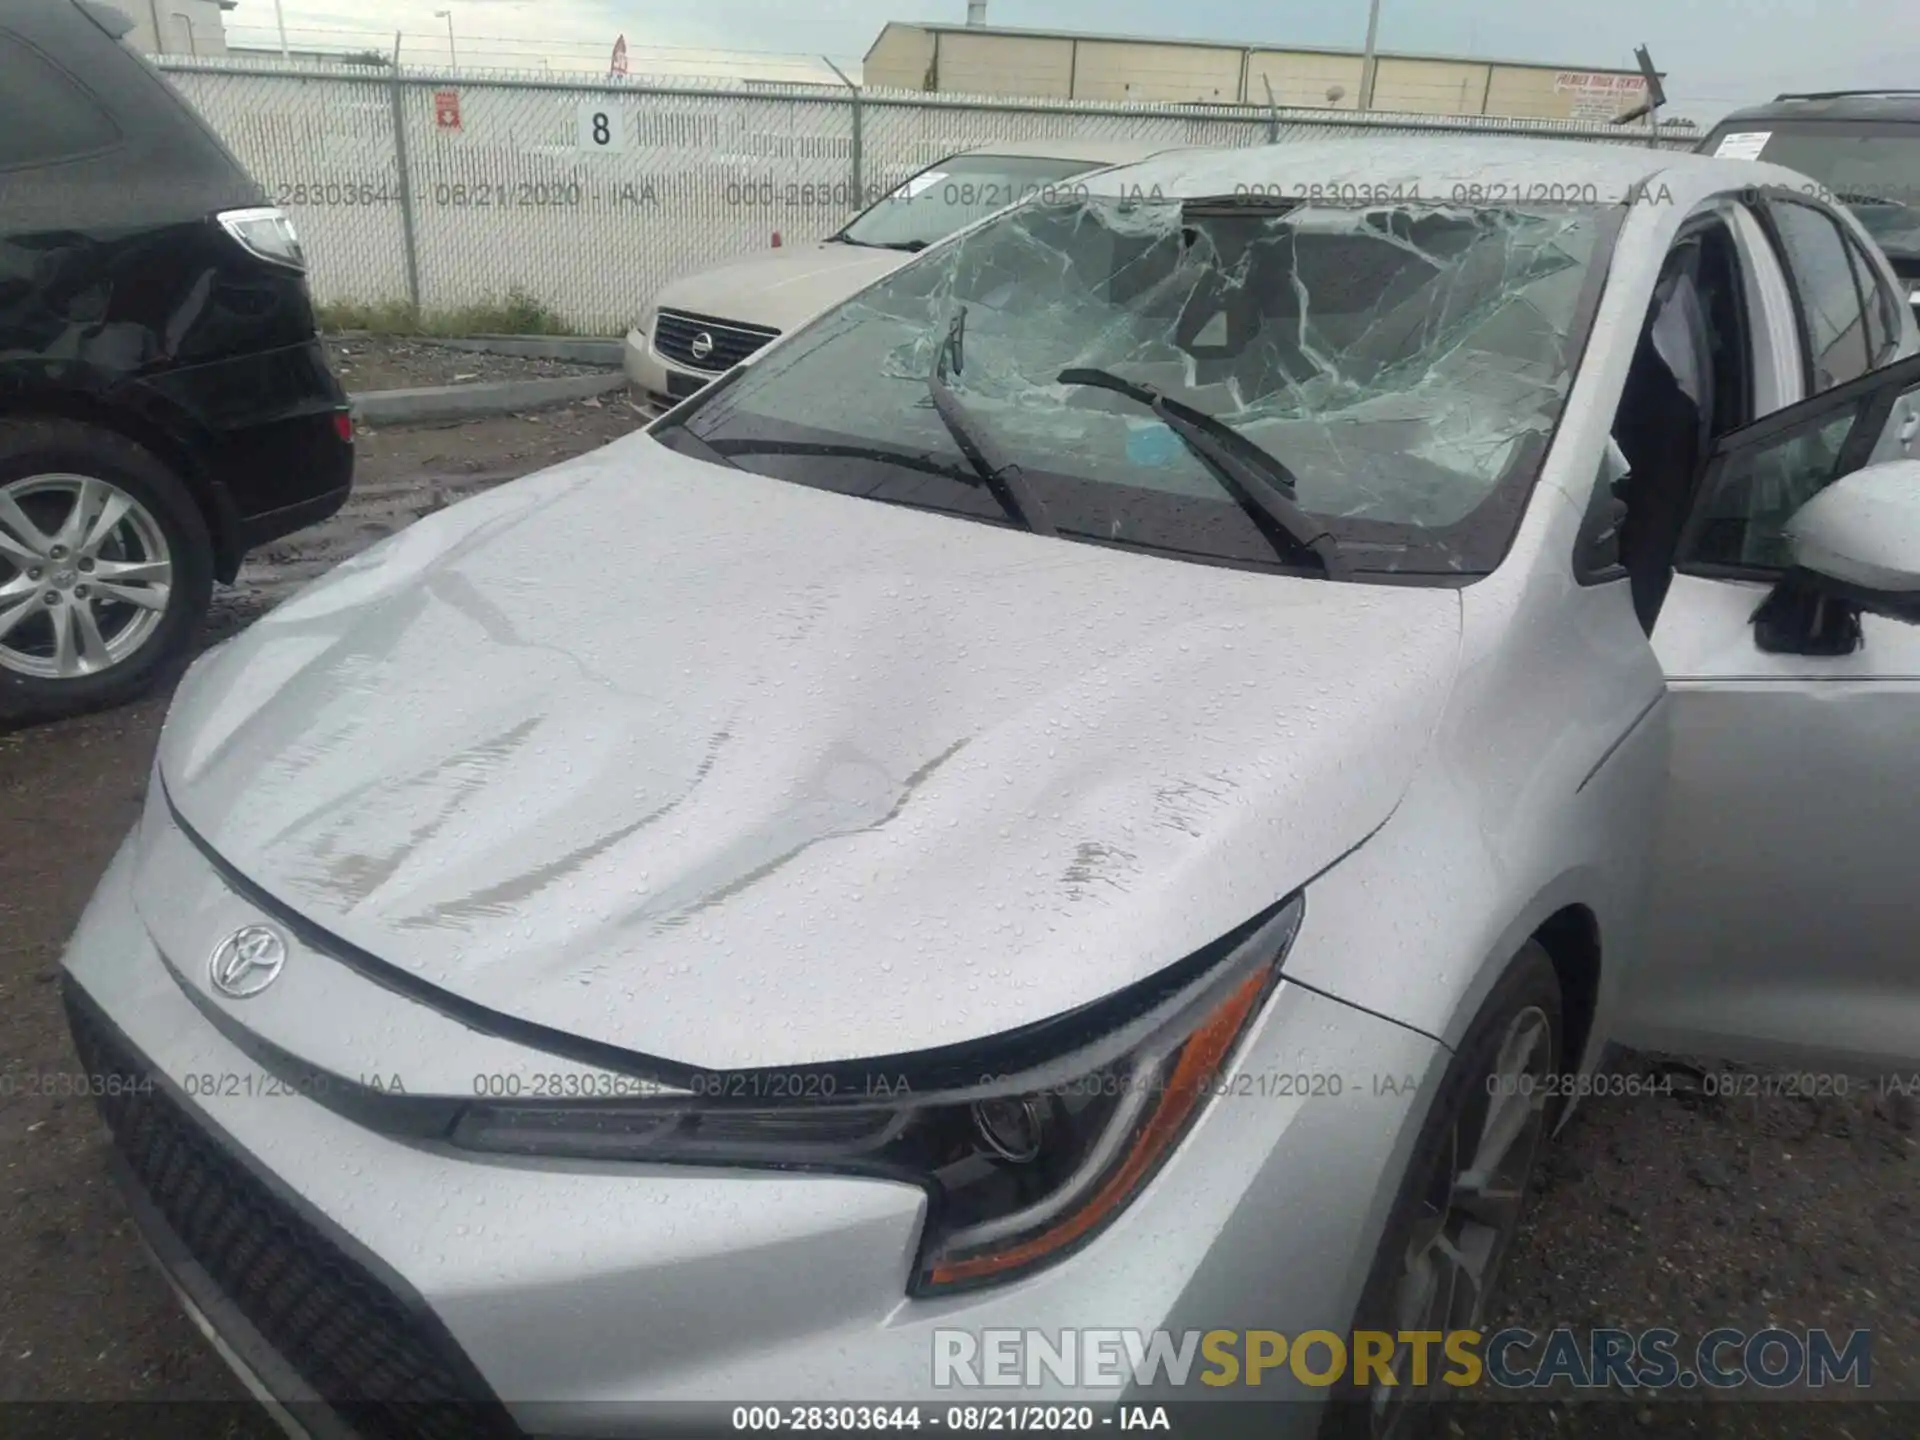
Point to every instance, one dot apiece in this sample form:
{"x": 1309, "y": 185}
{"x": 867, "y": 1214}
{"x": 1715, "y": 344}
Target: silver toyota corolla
{"x": 1121, "y": 777}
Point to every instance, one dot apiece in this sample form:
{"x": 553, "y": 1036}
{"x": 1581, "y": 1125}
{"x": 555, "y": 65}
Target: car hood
{"x": 783, "y": 288}
{"x": 732, "y": 772}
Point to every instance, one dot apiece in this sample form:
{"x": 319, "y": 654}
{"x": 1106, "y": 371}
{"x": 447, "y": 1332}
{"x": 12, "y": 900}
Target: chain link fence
{"x": 447, "y": 192}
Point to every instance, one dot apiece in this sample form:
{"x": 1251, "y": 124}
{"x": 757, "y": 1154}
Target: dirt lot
{"x": 1687, "y": 1211}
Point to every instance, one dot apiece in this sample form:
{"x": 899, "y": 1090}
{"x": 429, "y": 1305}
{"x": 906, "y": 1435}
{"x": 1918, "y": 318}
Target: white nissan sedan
{"x": 1119, "y": 778}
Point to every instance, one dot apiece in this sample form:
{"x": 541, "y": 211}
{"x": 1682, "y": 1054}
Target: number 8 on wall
{"x": 602, "y": 127}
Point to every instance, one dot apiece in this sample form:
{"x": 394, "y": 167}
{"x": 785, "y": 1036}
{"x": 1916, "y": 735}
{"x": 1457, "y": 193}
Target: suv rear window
{"x": 44, "y": 115}
{"x": 1872, "y": 167}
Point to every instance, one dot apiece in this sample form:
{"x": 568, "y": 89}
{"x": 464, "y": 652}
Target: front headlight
{"x": 1027, "y": 1144}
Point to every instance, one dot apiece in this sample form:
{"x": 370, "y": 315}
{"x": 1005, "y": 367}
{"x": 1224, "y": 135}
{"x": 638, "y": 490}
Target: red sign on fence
{"x": 446, "y": 109}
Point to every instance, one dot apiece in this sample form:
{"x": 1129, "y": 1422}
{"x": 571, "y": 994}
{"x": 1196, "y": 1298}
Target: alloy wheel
{"x": 1470, "y": 1211}
{"x": 85, "y": 576}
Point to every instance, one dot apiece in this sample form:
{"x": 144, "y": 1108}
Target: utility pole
{"x": 1370, "y": 60}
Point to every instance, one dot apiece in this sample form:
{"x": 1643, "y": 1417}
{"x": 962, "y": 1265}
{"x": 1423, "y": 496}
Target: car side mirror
{"x": 1856, "y": 550}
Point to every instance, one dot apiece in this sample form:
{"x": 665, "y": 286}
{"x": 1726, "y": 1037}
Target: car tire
{"x": 1486, "y": 1070}
{"x": 141, "y": 568}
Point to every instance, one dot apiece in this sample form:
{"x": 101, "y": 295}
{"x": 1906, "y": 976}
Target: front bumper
{"x": 578, "y": 1294}
{"x": 279, "y": 1389}
{"x": 659, "y": 380}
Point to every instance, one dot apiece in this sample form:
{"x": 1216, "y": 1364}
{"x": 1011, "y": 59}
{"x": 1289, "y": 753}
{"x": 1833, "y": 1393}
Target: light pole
{"x": 1369, "y": 61}
{"x": 453, "y": 55}
{"x": 280, "y": 20}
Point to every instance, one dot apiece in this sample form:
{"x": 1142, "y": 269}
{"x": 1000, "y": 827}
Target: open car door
{"x": 1784, "y": 920}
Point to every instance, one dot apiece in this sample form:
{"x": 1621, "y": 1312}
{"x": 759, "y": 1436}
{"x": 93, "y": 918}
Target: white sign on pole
{"x": 602, "y": 126}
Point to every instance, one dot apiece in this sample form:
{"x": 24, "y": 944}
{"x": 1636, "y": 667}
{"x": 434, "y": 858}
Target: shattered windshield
{"x": 1399, "y": 367}
{"x": 955, "y": 193}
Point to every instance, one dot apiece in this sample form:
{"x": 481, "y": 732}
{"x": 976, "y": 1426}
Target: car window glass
{"x": 956, "y": 192}
{"x": 1402, "y": 361}
{"x": 1823, "y": 275}
{"x": 1756, "y": 494}
{"x": 44, "y": 116}
{"x": 1882, "y": 314}
{"x": 1870, "y": 166}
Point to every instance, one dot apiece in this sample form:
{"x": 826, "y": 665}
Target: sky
{"x": 1716, "y": 53}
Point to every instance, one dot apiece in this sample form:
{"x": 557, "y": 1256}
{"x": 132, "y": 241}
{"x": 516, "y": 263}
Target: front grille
{"x": 676, "y": 333}
{"x": 382, "y": 1367}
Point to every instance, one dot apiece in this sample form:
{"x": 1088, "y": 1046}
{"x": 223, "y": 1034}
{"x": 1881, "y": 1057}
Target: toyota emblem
{"x": 702, "y": 345}
{"x": 247, "y": 961}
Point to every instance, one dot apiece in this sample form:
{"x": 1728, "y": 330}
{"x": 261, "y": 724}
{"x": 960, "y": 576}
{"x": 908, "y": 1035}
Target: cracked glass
{"x": 1404, "y": 363}
{"x": 949, "y": 196}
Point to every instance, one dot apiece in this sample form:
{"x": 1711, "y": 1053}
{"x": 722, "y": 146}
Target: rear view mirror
{"x": 1856, "y": 550}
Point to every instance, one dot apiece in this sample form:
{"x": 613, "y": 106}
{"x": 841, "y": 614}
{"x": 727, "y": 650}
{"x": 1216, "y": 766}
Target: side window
{"x": 1823, "y": 275}
{"x": 45, "y": 117}
{"x": 1742, "y": 524}
{"x": 1761, "y": 479}
{"x": 1882, "y": 309}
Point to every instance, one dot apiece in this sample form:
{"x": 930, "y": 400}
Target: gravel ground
{"x": 385, "y": 362}
{"x": 1686, "y": 1211}
{"x": 1696, "y": 1212}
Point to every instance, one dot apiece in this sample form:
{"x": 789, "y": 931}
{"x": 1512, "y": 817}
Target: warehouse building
{"x": 177, "y": 27}
{"x": 977, "y": 59}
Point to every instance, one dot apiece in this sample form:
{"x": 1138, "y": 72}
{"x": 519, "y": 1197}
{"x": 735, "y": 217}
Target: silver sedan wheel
{"x": 85, "y": 576}
{"x": 1471, "y": 1210}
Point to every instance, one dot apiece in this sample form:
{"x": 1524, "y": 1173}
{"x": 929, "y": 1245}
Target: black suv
{"x": 1863, "y": 145}
{"x": 165, "y": 404}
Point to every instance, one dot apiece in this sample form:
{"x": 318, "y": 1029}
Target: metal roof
{"x": 1272, "y": 46}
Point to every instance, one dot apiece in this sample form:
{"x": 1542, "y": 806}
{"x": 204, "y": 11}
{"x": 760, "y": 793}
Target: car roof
{"x": 1472, "y": 169}
{"x": 1832, "y": 105}
{"x": 1098, "y": 152}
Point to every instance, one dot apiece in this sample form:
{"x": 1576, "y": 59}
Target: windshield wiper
{"x": 1259, "y": 483}
{"x": 726, "y": 450}
{"x": 912, "y": 247}
{"x": 1006, "y": 480}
